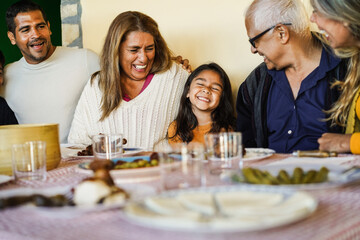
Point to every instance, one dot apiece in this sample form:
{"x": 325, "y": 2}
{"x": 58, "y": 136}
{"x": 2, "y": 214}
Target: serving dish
{"x": 71, "y": 150}
{"x": 222, "y": 209}
{"x": 338, "y": 175}
{"x": 136, "y": 192}
{"x": 130, "y": 175}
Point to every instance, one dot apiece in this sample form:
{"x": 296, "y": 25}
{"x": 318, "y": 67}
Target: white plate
{"x": 130, "y": 175}
{"x": 253, "y": 154}
{"x": 136, "y": 191}
{"x": 30, "y": 191}
{"x": 5, "y": 178}
{"x": 244, "y": 208}
{"x": 71, "y": 150}
{"x": 335, "y": 176}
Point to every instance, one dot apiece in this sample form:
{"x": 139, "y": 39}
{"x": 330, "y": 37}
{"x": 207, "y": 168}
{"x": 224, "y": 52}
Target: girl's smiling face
{"x": 205, "y": 91}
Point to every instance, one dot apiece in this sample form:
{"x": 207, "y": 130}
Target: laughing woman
{"x": 137, "y": 90}
{"x": 339, "y": 21}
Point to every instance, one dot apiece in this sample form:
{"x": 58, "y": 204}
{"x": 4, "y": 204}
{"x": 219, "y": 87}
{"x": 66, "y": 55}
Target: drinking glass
{"x": 224, "y": 151}
{"x": 182, "y": 166}
{"x": 107, "y": 146}
{"x": 29, "y": 160}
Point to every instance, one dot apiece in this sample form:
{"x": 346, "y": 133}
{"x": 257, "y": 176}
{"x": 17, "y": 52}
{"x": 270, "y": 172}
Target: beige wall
{"x": 200, "y": 30}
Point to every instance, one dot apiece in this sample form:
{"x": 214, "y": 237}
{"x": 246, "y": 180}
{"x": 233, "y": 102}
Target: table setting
{"x": 186, "y": 195}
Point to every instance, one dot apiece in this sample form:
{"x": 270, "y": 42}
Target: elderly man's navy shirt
{"x": 296, "y": 124}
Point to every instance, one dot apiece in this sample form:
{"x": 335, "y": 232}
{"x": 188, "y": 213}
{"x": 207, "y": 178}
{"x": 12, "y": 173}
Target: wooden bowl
{"x": 18, "y": 134}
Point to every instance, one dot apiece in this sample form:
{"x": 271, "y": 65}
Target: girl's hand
{"x": 334, "y": 142}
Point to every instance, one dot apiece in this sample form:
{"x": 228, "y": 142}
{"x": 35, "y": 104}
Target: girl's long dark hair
{"x": 223, "y": 117}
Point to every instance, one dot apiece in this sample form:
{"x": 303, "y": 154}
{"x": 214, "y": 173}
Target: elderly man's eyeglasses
{"x": 252, "y": 40}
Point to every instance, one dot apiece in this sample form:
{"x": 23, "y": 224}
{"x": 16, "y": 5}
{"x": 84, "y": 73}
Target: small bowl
{"x": 18, "y": 134}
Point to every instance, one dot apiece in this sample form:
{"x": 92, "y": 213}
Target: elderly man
{"x": 45, "y": 85}
{"x": 281, "y": 103}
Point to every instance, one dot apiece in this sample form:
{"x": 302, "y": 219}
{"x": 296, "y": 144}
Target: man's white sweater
{"x": 48, "y": 92}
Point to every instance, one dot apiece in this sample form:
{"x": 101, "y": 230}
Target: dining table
{"x": 336, "y": 216}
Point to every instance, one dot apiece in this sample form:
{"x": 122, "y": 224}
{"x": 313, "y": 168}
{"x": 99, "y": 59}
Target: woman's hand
{"x": 334, "y": 142}
{"x": 184, "y": 62}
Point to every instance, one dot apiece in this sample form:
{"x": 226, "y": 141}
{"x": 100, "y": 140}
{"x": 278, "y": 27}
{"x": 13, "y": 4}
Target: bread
{"x": 90, "y": 192}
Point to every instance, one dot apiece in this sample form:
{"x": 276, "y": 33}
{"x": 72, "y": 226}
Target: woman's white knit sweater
{"x": 143, "y": 121}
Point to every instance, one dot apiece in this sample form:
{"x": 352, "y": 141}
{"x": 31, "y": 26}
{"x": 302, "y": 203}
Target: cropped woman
{"x": 137, "y": 90}
{"x": 339, "y": 21}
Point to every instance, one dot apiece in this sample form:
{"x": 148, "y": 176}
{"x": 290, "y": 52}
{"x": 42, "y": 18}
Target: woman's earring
{"x": 346, "y": 24}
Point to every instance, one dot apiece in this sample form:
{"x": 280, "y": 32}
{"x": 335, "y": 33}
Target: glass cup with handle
{"x": 107, "y": 146}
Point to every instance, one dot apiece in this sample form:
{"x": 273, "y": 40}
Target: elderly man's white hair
{"x": 266, "y": 13}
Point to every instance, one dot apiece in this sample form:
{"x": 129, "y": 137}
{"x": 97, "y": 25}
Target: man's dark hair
{"x": 22, "y": 6}
{"x": 2, "y": 58}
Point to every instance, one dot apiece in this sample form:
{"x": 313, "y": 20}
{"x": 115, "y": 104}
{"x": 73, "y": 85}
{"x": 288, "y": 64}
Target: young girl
{"x": 206, "y": 105}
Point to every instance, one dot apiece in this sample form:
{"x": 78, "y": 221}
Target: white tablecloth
{"x": 337, "y": 216}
